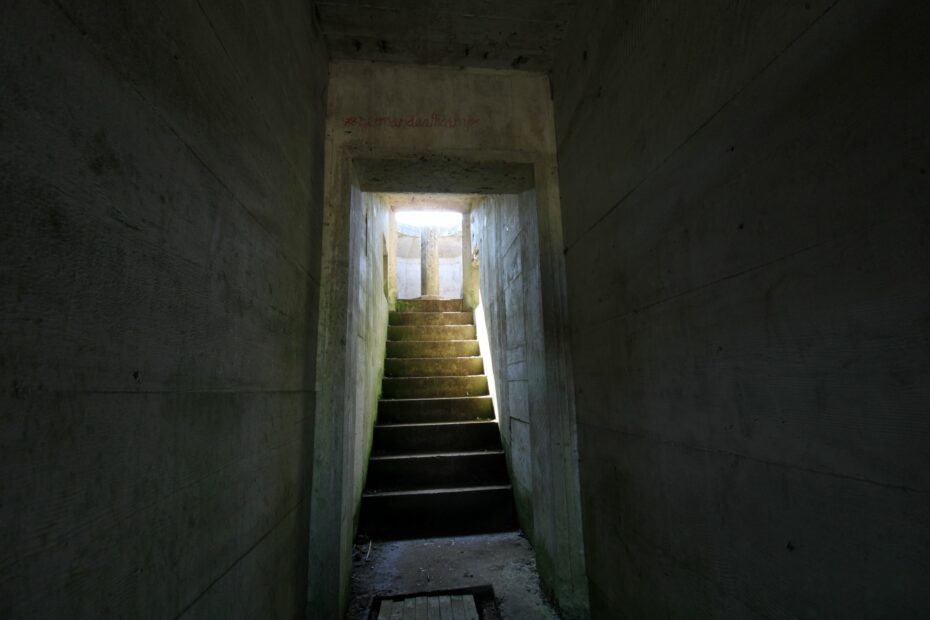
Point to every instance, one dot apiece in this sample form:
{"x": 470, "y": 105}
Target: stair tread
{"x": 415, "y": 425}
{"x": 433, "y": 359}
{"x": 438, "y": 490}
{"x": 430, "y": 312}
{"x": 427, "y": 327}
{"x": 436, "y": 377}
{"x": 469, "y": 340}
{"x": 442, "y": 398}
{"x": 437, "y": 465}
{"x": 426, "y": 455}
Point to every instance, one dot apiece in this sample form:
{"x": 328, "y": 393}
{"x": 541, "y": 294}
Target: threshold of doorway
{"x": 477, "y": 603}
{"x": 505, "y": 562}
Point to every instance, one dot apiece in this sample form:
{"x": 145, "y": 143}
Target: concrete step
{"x": 436, "y": 437}
{"x": 397, "y": 472}
{"x": 431, "y": 332}
{"x": 425, "y": 410}
{"x": 431, "y": 318}
{"x": 437, "y": 512}
{"x": 429, "y": 305}
{"x": 433, "y": 348}
{"x": 433, "y": 366}
{"x": 433, "y": 387}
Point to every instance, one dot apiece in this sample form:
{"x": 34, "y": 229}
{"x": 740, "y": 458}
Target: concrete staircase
{"x": 437, "y": 467}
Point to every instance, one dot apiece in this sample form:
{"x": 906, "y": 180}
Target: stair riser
{"x": 431, "y": 332}
{"x": 431, "y": 472}
{"x": 433, "y": 367}
{"x": 429, "y": 305}
{"x": 433, "y": 387}
{"x": 437, "y": 438}
{"x": 446, "y": 348}
{"x": 431, "y": 318}
{"x": 420, "y": 411}
{"x": 448, "y": 514}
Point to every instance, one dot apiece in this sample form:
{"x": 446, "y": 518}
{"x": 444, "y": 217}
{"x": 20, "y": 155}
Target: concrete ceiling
{"x": 461, "y": 203}
{"x": 500, "y": 34}
{"x": 442, "y": 175}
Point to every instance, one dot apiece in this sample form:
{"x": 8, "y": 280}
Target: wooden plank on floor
{"x": 437, "y": 607}
{"x": 410, "y": 609}
{"x": 458, "y": 607}
{"x": 445, "y": 607}
{"x": 471, "y": 610}
{"x": 385, "y": 612}
{"x": 432, "y": 608}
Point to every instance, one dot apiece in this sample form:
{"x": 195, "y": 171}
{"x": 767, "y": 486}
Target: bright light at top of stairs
{"x": 429, "y": 219}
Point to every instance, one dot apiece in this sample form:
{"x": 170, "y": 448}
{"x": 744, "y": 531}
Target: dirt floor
{"x": 504, "y": 561}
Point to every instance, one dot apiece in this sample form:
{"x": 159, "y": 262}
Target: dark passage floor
{"x": 504, "y": 561}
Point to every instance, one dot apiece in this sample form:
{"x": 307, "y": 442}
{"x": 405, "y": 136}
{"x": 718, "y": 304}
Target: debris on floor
{"x": 504, "y": 561}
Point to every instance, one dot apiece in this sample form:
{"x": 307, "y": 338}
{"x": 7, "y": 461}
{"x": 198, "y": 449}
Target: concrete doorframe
{"x": 335, "y": 495}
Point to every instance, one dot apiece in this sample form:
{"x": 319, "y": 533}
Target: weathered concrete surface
{"x": 540, "y": 446}
{"x": 409, "y": 271}
{"x": 745, "y": 200}
{"x": 408, "y": 171}
{"x": 451, "y": 409}
{"x": 355, "y": 310}
{"x": 161, "y": 187}
{"x": 494, "y": 134}
{"x": 431, "y": 318}
{"x": 517, "y": 34}
{"x": 444, "y": 436}
{"x": 508, "y": 308}
{"x": 435, "y": 387}
{"x": 503, "y": 560}
{"x": 434, "y": 367}
{"x": 429, "y": 262}
{"x": 427, "y": 349}
{"x": 412, "y": 493}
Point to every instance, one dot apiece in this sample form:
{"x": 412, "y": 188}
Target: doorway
{"x": 508, "y": 215}
{"x": 429, "y": 250}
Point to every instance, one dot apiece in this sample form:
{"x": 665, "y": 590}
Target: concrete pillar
{"x": 466, "y": 251}
{"x": 391, "y": 262}
{"x": 429, "y": 262}
{"x": 470, "y": 281}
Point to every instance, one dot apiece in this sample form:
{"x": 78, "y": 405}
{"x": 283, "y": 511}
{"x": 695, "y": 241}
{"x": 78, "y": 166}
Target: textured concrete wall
{"x": 408, "y": 266}
{"x": 349, "y": 384}
{"x": 520, "y": 34}
{"x": 747, "y": 213}
{"x": 408, "y": 278}
{"x": 505, "y": 235}
{"x": 540, "y": 446}
{"x": 369, "y": 317}
{"x": 161, "y": 177}
{"x": 503, "y": 232}
{"x": 450, "y": 278}
{"x": 450, "y": 267}
{"x": 439, "y": 128}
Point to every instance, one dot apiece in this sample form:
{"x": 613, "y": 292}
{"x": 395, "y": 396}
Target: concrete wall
{"x": 540, "y": 447}
{"x": 351, "y": 366}
{"x": 503, "y": 230}
{"x": 450, "y": 274}
{"x": 161, "y": 177}
{"x": 380, "y": 120}
{"x": 408, "y": 266}
{"x": 369, "y": 319}
{"x": 745, "y": 202}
